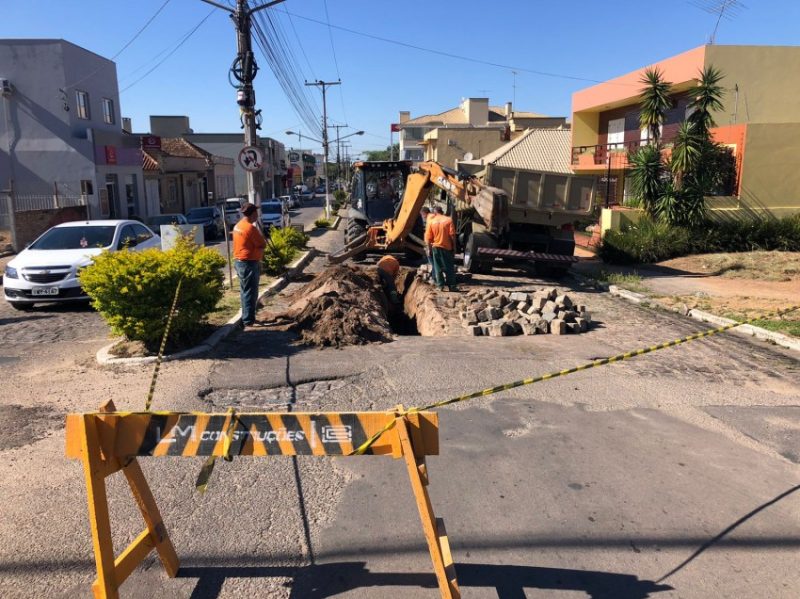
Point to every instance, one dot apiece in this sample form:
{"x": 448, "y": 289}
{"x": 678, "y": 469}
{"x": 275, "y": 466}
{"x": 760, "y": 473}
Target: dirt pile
{"x": 343, "y": 305}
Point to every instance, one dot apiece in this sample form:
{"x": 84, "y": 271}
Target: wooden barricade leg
{"x": 95, "y": 470}
{"x": 111, "y": 572}
{"x": 435, "y": 533}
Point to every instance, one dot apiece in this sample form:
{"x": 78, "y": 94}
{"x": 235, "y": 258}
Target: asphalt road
{"x": 593, "y": 485}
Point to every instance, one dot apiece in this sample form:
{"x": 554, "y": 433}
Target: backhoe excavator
{"x": 480, "y": 214}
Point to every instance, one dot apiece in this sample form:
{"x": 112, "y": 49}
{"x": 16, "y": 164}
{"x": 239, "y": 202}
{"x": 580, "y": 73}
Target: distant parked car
{"x": 272, "y": 211}
{"x": 231, "y": 207}
{"x": 47, "y": 270}
{"x": 155, "y": 222}
{"x": 210, "y": 217}
{"x": 320, "y": 190}
{"x": 290, "y": 201}
{"x": 306, "y": 193}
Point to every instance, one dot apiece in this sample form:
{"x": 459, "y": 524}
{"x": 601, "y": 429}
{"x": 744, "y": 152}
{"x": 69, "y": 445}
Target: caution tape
{"x": 551, "y": 375}
{"x": 160, "y": 356}
{"x": 208, "y": 467}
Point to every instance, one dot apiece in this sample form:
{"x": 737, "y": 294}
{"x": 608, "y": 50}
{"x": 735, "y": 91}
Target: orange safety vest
{"x": 440, "y": 232}
{"x": 248, "y": 242}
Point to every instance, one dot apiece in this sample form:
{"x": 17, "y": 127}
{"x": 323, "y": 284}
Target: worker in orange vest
{"x": 388, "y": 267}
{"x": 248, "y": 249}
{"x": 440, "y": 238}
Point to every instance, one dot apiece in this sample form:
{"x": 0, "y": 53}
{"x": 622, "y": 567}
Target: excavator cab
{"x": 376, "y": 192}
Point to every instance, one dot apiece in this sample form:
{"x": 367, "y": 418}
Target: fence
{"x": 32, "y": 202}
{"x": 5, "y": 217}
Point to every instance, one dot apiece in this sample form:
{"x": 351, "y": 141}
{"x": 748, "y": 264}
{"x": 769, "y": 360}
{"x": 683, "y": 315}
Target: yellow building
{"x": 760, "y": 122}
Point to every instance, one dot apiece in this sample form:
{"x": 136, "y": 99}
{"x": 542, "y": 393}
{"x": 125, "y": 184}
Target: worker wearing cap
{"x": 440, "y": 238}
{"x": 248, "y": 249}
{"x": 388, "y": 267}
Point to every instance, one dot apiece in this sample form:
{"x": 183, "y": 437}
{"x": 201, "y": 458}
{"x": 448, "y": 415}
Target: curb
{"x": 746, "y": 330}
{"x": 104, "y": 357}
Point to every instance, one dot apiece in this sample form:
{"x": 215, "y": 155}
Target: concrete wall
{"x": 477, "y": 141}
{"x": 31, "y": 224}
{"x": 769, "y": 88}
{"x": 771, "y": 169}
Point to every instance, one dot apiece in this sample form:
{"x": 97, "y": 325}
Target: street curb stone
{"x": 747, "y": 330}
{"x": 104, "y": 356}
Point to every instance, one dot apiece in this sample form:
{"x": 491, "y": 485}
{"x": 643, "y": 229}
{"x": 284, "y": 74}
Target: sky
{"x": 421, "y": 56}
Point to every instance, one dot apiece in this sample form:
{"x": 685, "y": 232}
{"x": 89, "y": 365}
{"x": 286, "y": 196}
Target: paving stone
{"x": 523, "y": 306}
{"x": 475, "y": 331}
{"x": 563, "y": 300}
{"x": 528, "y": 328}
{"x": 549, "y": 316}
{"x": 542, "y": 326}
{"x": 550, "y": 306}
{"x": 518, "y": 296}
{"x": 568, "y": 315}
{"x": 583, "y": 324}
{"x": 573, "y": 327}
{"x": 558, "y": 327}
{"x": 471, "y": 317}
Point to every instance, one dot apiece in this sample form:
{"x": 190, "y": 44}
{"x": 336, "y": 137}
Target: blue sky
{"x": 578, "y": 40}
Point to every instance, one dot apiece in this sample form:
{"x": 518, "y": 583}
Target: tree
{"x": 655, "y": 101}
{"x": 647, "y": 176}
{"x": 687, "y": 151}
{"x": 383, "y": 154}
{"x": 707, "y": 100}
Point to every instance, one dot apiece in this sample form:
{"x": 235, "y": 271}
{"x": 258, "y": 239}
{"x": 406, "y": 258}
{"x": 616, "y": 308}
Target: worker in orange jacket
{"x": 388, "y": 267}
{"x": 248, "y": 250}
{"x": 440, "y": 238}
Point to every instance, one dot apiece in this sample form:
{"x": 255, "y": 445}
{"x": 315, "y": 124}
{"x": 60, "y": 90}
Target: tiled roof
{"x": 177, "y": 146}
{"x": 148, "y": 162}
{"x": 548, "y": 150}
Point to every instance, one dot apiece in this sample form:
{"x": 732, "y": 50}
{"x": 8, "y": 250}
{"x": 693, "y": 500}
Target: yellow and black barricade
{"x": 108, "y": 441}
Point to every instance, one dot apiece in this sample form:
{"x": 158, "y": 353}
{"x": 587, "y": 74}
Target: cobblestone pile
{"x": 498, "y": 313}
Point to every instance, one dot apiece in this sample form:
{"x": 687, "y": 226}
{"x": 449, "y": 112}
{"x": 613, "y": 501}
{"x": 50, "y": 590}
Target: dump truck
{"x": 490, "y": 227}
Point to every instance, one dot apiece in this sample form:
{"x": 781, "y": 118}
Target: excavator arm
{"x": 394, "y": 233}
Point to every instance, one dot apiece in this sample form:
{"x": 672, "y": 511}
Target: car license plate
{"x": 44, "y": 291}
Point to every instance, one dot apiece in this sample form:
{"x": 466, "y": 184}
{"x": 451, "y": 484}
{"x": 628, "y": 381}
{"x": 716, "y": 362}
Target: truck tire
{"x": 471, "y": 261}
{"x": 353, "y": 230}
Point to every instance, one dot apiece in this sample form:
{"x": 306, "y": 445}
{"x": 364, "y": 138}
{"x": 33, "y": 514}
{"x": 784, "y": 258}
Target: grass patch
{"x": 322, "y": 223}
{"x": 787, "y": 327}
{"x": 631, "y": 281}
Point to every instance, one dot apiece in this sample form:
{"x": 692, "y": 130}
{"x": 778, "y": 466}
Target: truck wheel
{"x": 354, "y": 230}
{"x": 471, "y": 261}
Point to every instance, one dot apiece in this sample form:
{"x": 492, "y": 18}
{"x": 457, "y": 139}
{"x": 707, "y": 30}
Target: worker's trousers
{"x": 249, "y": 272}
{"x": 445, "y": 270}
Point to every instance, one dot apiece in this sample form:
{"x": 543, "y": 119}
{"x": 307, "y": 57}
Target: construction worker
{"x": 427, "y": 217}
{"x": 248, "y": 249}
{"x": 440, "y": 238}
{"x": 388, "y": 267}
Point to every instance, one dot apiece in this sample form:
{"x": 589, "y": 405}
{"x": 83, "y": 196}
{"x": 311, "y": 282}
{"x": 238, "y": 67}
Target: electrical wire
{"x": 447, "y": 54}
{"x": 125, "y": 47}
{"x": 175, "y": 49}
{"x": 335, "y": 60}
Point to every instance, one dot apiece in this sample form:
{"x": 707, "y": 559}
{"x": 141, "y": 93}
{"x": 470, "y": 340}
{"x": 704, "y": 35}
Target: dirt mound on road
{"x": 343, "y": 305}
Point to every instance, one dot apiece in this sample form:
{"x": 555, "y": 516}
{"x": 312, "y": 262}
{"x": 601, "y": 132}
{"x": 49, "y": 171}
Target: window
{"x": 82, "y": 100}
{"x": 108, "y": 111}
{"x": 87, "y": 188}
{"x": 142, "y": 233}
{"x": 127, "y": 239}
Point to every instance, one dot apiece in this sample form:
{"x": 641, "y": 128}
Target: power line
{"x": 175, "y": 49}
{"x": 448, "y": 54}
{"x": 335, "y": 60}
{"x": 125, "y": 47}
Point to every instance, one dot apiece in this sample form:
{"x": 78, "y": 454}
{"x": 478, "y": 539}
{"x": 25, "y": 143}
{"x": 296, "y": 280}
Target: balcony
{"x": 595, "y": 157}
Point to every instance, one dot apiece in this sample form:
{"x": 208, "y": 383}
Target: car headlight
{"x": 11, "y": 272}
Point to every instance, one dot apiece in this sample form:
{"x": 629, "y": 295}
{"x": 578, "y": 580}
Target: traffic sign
{"x": 251, "y": 158}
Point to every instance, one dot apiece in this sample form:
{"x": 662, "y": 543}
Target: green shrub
{"x": 322, "y": 223}
{"x": 133, "y": 291}
{"x": 749, "y": 235}
{"x": 645, "y": 242}
{"x": 281, "y": 249}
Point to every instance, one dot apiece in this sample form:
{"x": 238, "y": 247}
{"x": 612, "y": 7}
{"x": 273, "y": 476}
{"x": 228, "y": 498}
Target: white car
{"x": 272, "y": 214}
{"x": 47, "y": 270}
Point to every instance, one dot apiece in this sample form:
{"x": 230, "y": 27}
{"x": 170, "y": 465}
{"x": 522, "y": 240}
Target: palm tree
{"x": 647, "y": 177}
{"x": 687, "y": 152}
{"x": 655, "y": 101}
{"x": 707, "y": 100}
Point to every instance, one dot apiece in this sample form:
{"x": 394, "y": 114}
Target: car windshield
{"x": 200, "y": 213}
{"x": 271, "y": 208}
{"x": 232, "y": 206}
{"x": 166, "y": 219}
{"x": 75, "y": 238}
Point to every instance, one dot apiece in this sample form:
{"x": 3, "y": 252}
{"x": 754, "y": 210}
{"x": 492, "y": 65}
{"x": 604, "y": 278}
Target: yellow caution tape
{"x": 208, "y": 467}
{"x": 551, "y": 375}
{"x": 160, "y": 356}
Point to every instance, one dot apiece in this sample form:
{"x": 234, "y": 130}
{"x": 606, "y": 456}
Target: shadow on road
{"x": 510, "y": 582}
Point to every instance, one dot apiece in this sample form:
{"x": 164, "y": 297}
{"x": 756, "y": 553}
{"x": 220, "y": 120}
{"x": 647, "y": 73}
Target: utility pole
{"x": 244, "y": 70}
{"x": 338, "y": 150}
{"x": 324, "y": 85}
